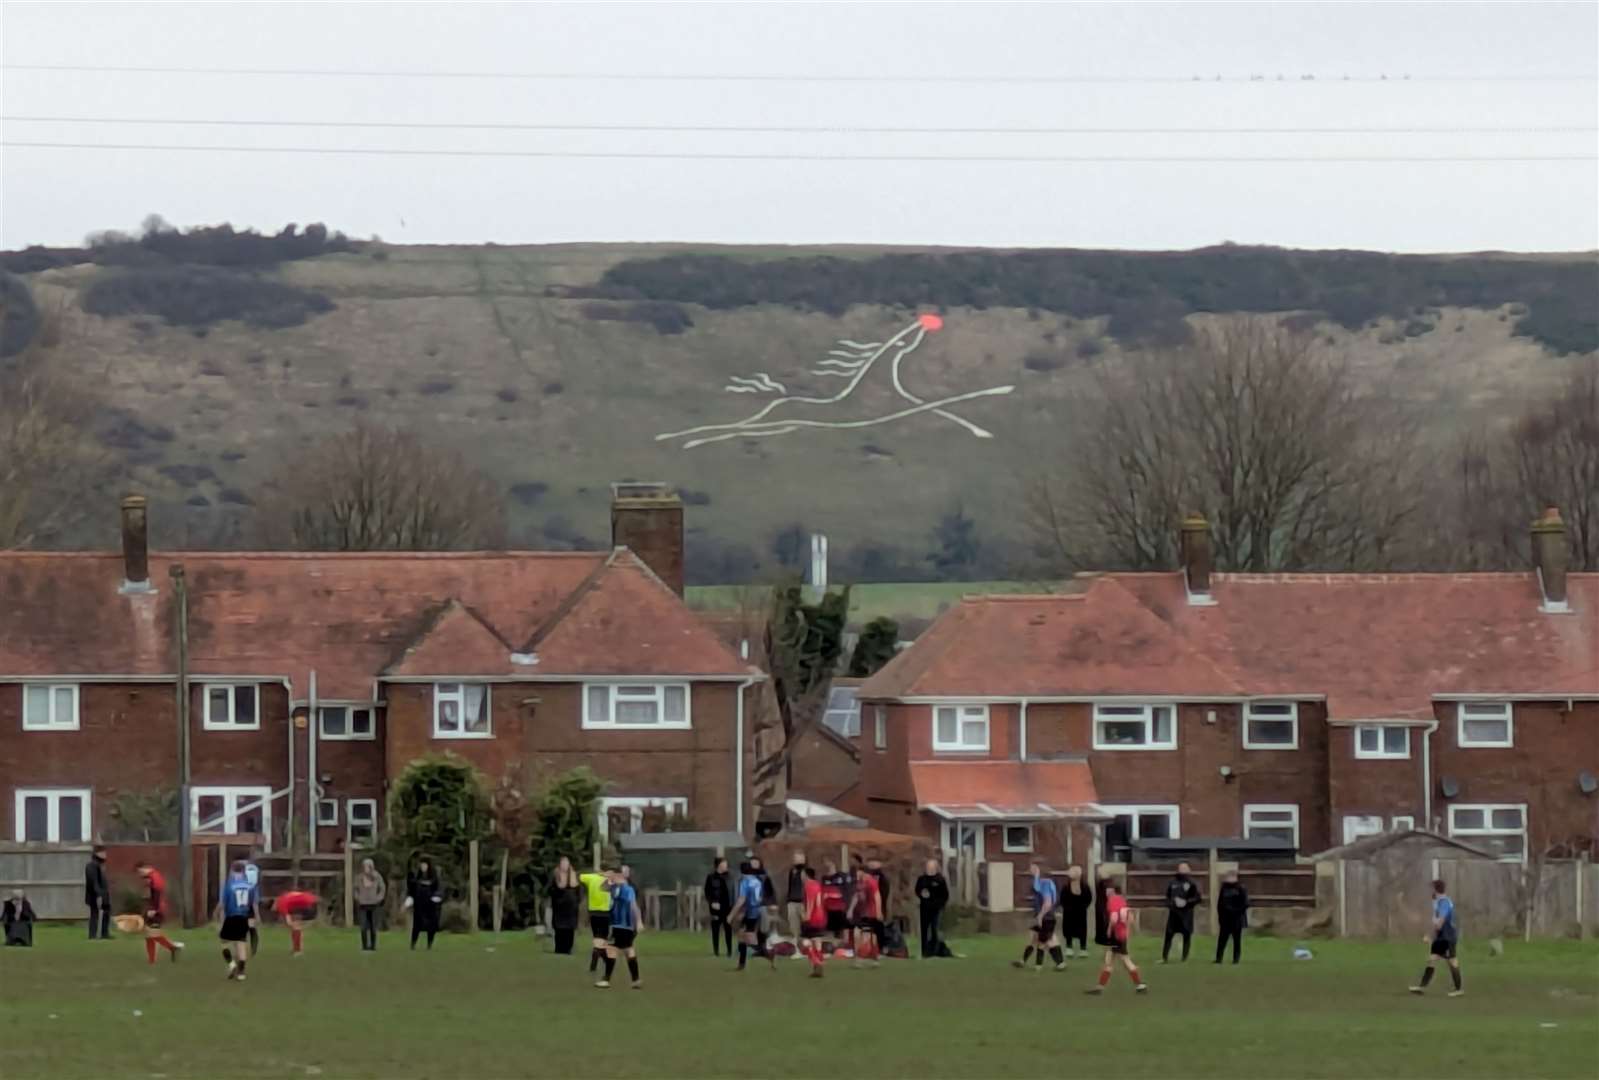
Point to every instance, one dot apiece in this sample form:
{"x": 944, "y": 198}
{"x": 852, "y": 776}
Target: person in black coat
{"x": 1232, "y": 912}
{"x": 932, "y": 894}
{"x": 1076, "y": 897}
{"x": 566, "y": 896}
{"x": 1101, "y": 915}
{"x": 17, "y": 917}
{"x": 718, "y": 903}
{"x": 97, "y": 896}
{"x": 425, "y": 893}
{"x": 1182, "y": 897}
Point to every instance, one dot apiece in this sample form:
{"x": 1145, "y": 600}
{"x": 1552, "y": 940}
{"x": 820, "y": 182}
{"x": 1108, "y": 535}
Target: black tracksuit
{"x": 1102, "y": 919}
{"x": 564, "y": 903}
{"x": 97, "y": 896}
{"x": 425, "y": 909}
{"x": 1074, "y": 914}
{"x": 718, "y": 902}
{"x": 932, "y": 893}
{"x": 1232, "y": 911}
{"x": 1180, "y": 920}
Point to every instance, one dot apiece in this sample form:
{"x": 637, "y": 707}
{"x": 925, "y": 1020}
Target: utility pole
{"x": 180, "y": 598}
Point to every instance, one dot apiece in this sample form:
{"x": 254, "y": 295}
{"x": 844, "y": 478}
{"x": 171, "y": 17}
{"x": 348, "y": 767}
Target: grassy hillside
{"x": 556, "y": 379}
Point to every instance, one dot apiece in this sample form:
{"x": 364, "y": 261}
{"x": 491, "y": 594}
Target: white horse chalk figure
{"x": 850, "y": 360}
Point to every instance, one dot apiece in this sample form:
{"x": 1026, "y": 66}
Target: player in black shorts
{"x": 1046, "y": 902}
{"x": 1444, "y": 941}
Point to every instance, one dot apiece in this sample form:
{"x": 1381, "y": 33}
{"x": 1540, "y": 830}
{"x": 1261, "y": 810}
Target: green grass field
{"x": 481, "y": 1007}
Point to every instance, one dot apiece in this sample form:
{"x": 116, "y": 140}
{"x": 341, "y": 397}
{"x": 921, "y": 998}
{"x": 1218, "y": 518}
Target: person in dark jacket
{"x": 795, "y": 896}
{"x": 1182, "y": 897}
{"x": 566, "y": 896}
{"x": 718, "y": 903}
{"x": 18, "y": 920}
{"x": 1232, "y": 911}
{"x": 874, "y": 867}
{"x": 1102, "y": 936}
{"x": 97, "y": 896}
{"x": 1076, "y": 897}
{"x": 932, "y": 896}
{"x": 425, "y": 896}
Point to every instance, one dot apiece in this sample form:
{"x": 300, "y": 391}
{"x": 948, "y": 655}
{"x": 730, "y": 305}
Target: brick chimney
{"x": 647, "y": 519}
{"x": 1550, "y": 556}
{"x": 1194, "y": 549}
{"x": 135, "y": 545}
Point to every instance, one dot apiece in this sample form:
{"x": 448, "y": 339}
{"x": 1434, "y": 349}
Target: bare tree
{"x": 49, "y": 461}
{"x": 380, "y": 489}
{"x": 1253, "y": 425}
{"x": 1554, "y": 451}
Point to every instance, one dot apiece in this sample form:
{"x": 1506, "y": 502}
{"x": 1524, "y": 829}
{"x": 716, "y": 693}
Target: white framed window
{"x": 1135, "y": 727}
{"x": 1382, "y": 741}
{"x": 636, "y": 705}
{"x": 1497, "y": 827}
{"x": 1359, "y": 825}
{"x": 1271, "y": 725}
{"x": 879, "y": 728}
{"x": 843, "y": 713}
{"x": 1272, "y": 821}
{"x": 327, "y": 812}
{"x": 461, "y": 711}
{"x": 361, "y": 822}
{"x": 1402, "y": 823}
{"x": 53, "y": 815}
{"x": 338, "y": 723}
{"x": 232, "y": 810}
{"x": 674, "y": 805}
{"x": 50, "y": 707}
{"x": 1486, "y": 723}
{"x": 960, "y": 727}
{"x": 231, "y": 706}
{"x": 1158, "y": 821}
{"x": 1017, "y": 837}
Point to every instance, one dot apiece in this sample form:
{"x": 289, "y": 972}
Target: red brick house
{"x": 315, "y": 678}
{"x": 1312, "y": 707}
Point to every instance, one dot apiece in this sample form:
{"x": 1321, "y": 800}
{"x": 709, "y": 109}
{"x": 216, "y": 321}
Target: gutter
{"x": 1426, "y": 774}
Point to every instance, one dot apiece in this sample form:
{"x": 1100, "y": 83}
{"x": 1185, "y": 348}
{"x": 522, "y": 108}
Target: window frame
{"x": 1147, "y": 717}
{"x": 1291, "y": 809}
{"x": 637, "y": 804}
{"x": 961, "y": 719}
{"x": 851, "y": 716}
{"x": 350, "y": 711}
{"x": 1381, "y": 753}
{"x": 879, "y": 728}
{"x": 233, "y": 796}
{"x": 1004, "y": 838}
{"x": 52, "y": 821}
{"x": 611, "y": 686}
{"x": 350, "y": 824}
{"x": 459, "y": 695}
{"x": 1507, "y": 712}
{"x": 1408, "y": 826}
{"x": 321, "y": 821}
{"x": 51, "y": 724}
{"x": 230, "y": 724}
{"x": 1292, "y": 720}
{"x": 1172, "y": 811}
{"x": 1488, "y": 830}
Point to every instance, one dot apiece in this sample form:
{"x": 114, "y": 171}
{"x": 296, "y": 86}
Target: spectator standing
{"x": 932, "y": 896}
{"x": 1182, "y": 897}
{"x": 1232, "y": 911}
{"x": 97, "y": 895}
{"x": 1075, "y": 899}
{"x": 17, "y": 918}
{"x": 370, "y": 891}
{"x": 566, "y": 894}
{"x": 425, "y": 898}
{"x": 718, "y": 904}
{"x": 796, "y": 895}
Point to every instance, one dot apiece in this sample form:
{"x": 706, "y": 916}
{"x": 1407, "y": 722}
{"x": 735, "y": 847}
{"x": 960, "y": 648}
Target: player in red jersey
{"x": 866, "y": 910}
{"x": 1118, "y": 919}
{"x": 155, "y": 905}
{"x": 813, "y": 926}
{"x": 296, "y": 909}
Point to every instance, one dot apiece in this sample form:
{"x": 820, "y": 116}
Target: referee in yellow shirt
{"x": 598, "y": 887}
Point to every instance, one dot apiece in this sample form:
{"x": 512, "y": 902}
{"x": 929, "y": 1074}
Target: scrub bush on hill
{"x": 160, "y": 244}
{"x": 196, "y": 297}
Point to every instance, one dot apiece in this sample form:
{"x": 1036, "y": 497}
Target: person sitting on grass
{"x": 18, "y": 920}
{"x": 1444, "y": 942}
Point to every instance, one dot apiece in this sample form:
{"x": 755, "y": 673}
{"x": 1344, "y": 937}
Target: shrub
{"x": 456, "y": 917}
{"x": 187, "y": 475}
{"x": 1043, "y": 362}
{"x": 507, "y": 394}
{"x": 665, "y": 317}
{"x": 529, "y": 492}
{"x": 235, "y": 497}
{"x": 552, "y": 388}
{"x": 199, "y": 502}
{"x": 1088, "y": 348}
{"x": 434, "y": 387}
{"x": 19, "y": 315}
{"x": 194, "y": 297}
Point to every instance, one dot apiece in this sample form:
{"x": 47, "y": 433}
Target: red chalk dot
{"x": 930, "y": 322}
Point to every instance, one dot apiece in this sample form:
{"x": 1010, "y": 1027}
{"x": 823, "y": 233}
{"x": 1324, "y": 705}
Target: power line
{"x": 802, "y": 129}
{"x": 1019, "y": 159}
{"x": 602, "y": 76}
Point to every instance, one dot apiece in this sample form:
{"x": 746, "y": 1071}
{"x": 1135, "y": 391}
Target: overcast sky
{"x": 1508, "y": 66}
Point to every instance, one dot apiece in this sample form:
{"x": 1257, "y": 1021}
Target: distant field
{"x": 483, "y": 1007}
{"x": 898, "y": 600}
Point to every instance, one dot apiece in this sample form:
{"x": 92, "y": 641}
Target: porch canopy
{"x": 1007, "y": 790}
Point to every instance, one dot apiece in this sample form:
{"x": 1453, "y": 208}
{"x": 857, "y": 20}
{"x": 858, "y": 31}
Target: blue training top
{"x": 622, "y": 906}
{"x": 1444, "y": 908}
{"x": 238, "y": 895}
{"x": 750, "y": 891}
{"x": 1045, "y": 894}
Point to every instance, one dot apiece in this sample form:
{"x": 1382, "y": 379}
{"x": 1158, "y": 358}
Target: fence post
{"x": 505, "y": 881}
{"x": 1214, "y": 887}
{"x": 1582, "y": 920}
{"x": 349, "y": 887}
{"x": 471, "y": 886}
{"x": 1343, "y": 903}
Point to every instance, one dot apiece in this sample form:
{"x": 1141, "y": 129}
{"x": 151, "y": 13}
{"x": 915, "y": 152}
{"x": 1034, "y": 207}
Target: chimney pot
{"x": 647, "y": 519}
{"x": 1550, "y": 557}
{"x": 1196, "y": 556}
{"x": 135, "y": 544}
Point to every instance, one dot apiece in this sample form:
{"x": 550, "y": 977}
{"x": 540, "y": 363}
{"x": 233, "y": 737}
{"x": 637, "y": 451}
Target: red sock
{"x": 1104, "y": 976}
{"x": 149, "y": 949}
{"x": 1132, "y": 973}
{"x": 166, "y": 943}
{"x": 294, "y": 936}
{"x": 815, "y": 954}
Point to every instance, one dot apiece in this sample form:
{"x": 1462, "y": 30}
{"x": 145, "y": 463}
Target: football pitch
{"x": 481, "y": 1007}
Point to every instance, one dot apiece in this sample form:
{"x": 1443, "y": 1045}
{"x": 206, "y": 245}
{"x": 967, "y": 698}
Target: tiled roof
{"x": 348, "y": 616}
{"x": 1375, "y": 645}
{"x": 1013, "y": 789}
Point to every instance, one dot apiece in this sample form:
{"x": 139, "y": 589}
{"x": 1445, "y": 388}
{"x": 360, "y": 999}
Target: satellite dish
{"x": 1449, "y": 786}
{"x": 1587, "y": 782}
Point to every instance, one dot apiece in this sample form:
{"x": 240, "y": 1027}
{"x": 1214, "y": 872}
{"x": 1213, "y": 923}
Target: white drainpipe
{"x": 738, "y": 759}
{"x": 1426, "y": 775}
{"x": 1024, "y": 729}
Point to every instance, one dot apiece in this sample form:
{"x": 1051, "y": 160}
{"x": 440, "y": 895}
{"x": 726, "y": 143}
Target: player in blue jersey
{"x": 1046, "y": 902}
{"x": 1444, "y": 941}
{"x": 238, "y": 903}
{"x": 625, "y": 927}
{"x": 746, "y": 916}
